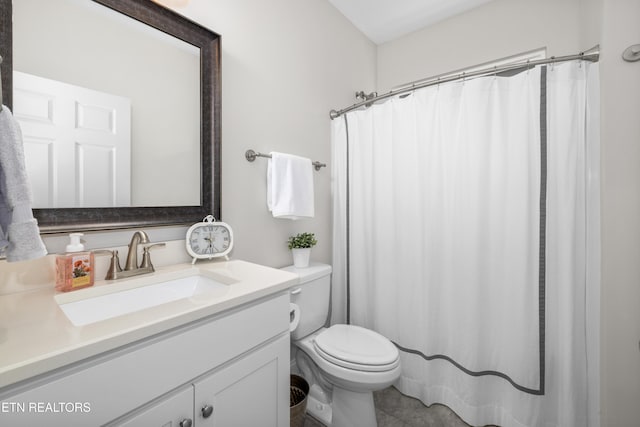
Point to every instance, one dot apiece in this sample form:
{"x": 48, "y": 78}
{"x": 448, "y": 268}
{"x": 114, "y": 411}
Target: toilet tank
{"x": 311, "y": 294}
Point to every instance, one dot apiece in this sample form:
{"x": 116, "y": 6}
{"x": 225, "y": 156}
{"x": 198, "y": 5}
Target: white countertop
{"x": 37, "y": 337}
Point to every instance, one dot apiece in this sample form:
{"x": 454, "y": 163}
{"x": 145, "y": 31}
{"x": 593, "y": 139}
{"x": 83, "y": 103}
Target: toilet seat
{"x": 356, "y": 348}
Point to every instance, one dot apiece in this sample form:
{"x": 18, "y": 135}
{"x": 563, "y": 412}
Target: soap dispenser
{"x": 74, "y": 268}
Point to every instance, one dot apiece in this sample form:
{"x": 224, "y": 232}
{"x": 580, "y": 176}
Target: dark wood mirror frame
{"x": 167, "y": 21}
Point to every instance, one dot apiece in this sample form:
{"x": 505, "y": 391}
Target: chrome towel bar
{"x": 251, "y": 155}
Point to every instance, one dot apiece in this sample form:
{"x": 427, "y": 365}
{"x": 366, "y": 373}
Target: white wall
{"x": 506, "y": 27}
{"x": 285, "y": 65}
{"x": 620, "y": 134}
{"x": 498, "y": 29}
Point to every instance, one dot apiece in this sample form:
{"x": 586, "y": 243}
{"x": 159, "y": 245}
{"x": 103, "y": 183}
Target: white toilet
{"x": 343, "y": 363}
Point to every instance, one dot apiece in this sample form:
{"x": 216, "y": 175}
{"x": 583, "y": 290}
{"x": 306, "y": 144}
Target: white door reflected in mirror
{"x": 77, "y": 143}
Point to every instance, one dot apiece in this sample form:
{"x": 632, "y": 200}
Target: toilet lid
{"x": 358, "y": 348}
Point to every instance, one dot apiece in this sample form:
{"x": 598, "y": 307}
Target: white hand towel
{"x": 19, "y": 235}
{"x": 290, "y": 186}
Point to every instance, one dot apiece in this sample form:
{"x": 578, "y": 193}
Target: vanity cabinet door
{"x": 173, "y": 411}
{"x": 252, "y": 391}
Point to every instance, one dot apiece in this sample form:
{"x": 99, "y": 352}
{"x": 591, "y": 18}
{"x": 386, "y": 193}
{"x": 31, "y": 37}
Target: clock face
{"x": 209, "y": 240}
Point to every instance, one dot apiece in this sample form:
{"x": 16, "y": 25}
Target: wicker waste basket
{"x": 299, "y": 390}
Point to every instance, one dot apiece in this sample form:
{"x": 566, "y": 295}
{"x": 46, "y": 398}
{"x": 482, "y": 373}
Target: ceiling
{"x": 384, "y": 20}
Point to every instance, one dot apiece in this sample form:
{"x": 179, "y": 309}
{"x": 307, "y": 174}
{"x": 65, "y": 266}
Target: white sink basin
{"x": 97, "y": 308}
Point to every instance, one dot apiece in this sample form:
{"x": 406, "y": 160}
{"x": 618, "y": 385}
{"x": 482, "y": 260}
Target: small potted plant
{"x": 300, "y": 246}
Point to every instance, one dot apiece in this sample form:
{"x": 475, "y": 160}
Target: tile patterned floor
{"x": 393, "y": 409}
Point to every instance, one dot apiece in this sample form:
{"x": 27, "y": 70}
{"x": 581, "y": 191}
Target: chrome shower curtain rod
{"x": 592, "y": 55}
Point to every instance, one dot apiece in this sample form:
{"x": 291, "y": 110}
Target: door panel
{"x": 88, "y": 157}
{"x": 250, "y": 392}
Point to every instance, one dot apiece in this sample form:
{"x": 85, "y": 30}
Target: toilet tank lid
{"x": 315, "y": 270}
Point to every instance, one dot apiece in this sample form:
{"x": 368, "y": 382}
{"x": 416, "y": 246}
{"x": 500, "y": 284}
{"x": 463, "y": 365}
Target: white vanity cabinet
{"x": 237, "y": 362}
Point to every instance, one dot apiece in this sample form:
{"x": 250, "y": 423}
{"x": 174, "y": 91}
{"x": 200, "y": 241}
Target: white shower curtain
{"x": 466, "y": 226}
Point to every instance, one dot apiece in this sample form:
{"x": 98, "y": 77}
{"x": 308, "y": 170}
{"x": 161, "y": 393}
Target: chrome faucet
{"x": 132, "y": 257}
{"x": 131, "y": 267}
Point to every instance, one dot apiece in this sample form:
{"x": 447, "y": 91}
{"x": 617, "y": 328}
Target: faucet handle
{"x": 146, "y": 256}
{"x": 114, "y": 267}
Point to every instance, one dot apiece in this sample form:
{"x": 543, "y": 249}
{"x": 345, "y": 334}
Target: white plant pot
{"x": 301, "y": 257}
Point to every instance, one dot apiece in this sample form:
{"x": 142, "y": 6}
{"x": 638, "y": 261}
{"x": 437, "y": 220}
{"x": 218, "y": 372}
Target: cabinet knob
{"x": 207, "y": 410}
{"x": 186, "y": 422}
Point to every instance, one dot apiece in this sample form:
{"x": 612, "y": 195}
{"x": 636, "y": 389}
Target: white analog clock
{"x": 209, "y": 239}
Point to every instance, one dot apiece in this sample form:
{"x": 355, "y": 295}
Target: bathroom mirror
{"x": 193, "y": 105}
